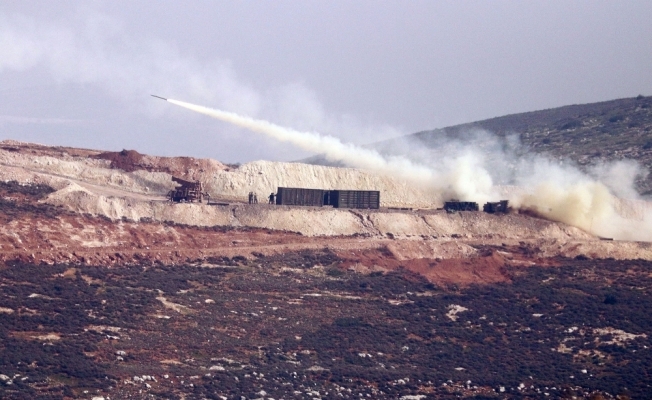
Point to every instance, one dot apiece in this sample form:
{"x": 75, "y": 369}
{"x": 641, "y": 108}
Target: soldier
{"x": 251, "y": 197}
{"x": 255, "y": 198}
{"x": 272, "y": 198}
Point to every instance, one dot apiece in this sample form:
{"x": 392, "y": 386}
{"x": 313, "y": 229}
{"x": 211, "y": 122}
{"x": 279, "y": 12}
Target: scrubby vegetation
{"x": 36, "y": 191}
{"x": 20, "y": 200}
{"x": 293, "y": 325}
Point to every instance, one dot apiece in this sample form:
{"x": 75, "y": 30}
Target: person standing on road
{"x": 272, "y": 197}
{"x": 255, "y": 198}
{"x": 251, "y": 197}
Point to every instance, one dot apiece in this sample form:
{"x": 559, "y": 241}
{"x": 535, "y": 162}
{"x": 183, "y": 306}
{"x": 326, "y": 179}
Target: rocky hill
{"x": 587, "y": 134}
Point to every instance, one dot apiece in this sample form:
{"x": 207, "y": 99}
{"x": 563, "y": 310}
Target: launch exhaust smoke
{"x": 331, "y": 147}
{"x": 562, "y": 194}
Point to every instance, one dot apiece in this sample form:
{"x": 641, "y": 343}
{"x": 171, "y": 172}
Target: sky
{"x": 80, "y": 73}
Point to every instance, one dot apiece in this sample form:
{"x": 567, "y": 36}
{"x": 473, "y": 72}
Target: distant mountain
{"x": 586, "y": 134}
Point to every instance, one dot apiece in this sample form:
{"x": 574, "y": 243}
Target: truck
{"x": 187, "y": 191}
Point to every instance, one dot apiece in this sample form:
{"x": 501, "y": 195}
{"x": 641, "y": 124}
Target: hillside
{"x": 108, "y": 290}
{"x": 138, "y": 173}
{"x": 587, "y": 134}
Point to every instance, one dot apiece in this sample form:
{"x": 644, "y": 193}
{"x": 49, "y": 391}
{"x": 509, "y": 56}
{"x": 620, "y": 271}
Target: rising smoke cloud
{"x": 97, "y": 57}
{"x": 551, "y": 189}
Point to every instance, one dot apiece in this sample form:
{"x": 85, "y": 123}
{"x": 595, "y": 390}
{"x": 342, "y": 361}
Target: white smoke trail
{"x": 333, "y": 148}
{"x": 557, "y": 193}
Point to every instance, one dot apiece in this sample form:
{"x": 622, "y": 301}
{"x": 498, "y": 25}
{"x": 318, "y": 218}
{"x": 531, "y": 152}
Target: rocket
{"x": 159, "y": 97}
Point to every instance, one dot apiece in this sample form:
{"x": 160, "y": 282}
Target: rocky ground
{"x": 107, "y": 290}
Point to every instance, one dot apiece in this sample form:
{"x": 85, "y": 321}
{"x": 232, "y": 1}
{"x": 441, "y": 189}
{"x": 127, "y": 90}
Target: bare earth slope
{"x": 152, "y": 175}
{"x": 86, "y": 185}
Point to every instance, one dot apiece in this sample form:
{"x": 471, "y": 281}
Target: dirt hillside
{"x": 137, "y": 173}
{"x": 110, "y": 208}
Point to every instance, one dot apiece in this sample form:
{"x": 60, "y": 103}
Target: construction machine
{"x": 187, "y": 191}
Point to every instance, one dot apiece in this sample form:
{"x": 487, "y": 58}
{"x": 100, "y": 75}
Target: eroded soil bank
{"x": 36, "y": 232}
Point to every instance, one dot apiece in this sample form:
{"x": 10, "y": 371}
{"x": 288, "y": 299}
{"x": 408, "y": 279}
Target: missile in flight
{"x": 159, "y": 97}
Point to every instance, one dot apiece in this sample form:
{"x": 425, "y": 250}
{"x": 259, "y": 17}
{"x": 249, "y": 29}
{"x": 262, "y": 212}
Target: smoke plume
{"x": 459, "y": 170}
{"x": 332, "y": 147}
{"x": 109, "y": 68}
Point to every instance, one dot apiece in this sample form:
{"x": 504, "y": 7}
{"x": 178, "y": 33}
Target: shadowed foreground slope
{"x": 297, "y": 324}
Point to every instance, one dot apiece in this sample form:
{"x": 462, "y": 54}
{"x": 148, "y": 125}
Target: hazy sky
{"x": 80, "y": 73}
